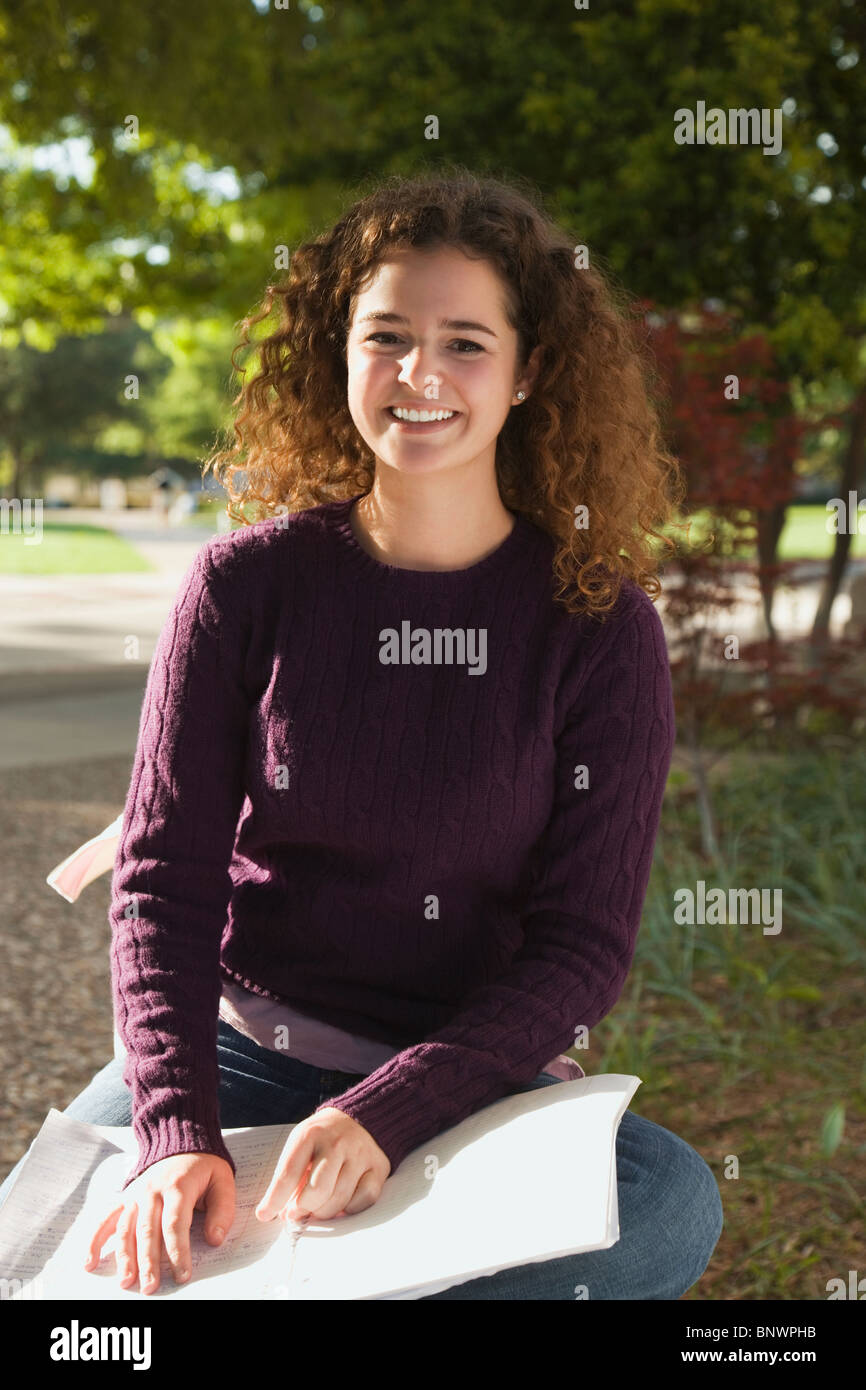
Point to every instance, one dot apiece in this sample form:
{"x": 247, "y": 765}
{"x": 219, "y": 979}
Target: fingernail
{"x": 218, "y": 1233}
{"x": 182, "y": 1276}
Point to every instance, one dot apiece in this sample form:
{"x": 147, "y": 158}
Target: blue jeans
{"x": 670, "y": 1210}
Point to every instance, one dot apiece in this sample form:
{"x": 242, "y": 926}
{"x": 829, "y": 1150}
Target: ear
{"x": 530, "y": 374}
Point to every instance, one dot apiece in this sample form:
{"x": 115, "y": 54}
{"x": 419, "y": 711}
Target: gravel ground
{"x": 56, "y": 1026}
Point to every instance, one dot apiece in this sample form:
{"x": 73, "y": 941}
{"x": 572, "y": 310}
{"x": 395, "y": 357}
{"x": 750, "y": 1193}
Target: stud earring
{"x": 521, "y": 395}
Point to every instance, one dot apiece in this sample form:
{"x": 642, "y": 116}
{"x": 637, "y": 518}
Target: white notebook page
{"x": 530, "y": 1177}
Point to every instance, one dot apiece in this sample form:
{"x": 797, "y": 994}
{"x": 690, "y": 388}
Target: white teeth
{"x": 421, "y": 416}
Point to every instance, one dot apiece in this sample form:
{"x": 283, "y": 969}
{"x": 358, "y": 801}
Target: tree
{"x": 310, "y": 99}
{"x": 733, "y": 423}
{"x": 738, "y": 456}
{"x": 852, "y": 476}
{"x": 54, "y": 400}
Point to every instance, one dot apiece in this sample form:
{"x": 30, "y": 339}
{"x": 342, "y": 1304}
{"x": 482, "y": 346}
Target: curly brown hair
{"x": 589, "y": 432}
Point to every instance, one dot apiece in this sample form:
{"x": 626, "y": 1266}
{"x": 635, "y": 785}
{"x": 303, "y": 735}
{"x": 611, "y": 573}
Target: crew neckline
{"x": 337, "y": 515}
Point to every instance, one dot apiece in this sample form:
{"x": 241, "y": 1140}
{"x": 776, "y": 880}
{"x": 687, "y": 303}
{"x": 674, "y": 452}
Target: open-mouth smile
{"x": 419, "y": 426}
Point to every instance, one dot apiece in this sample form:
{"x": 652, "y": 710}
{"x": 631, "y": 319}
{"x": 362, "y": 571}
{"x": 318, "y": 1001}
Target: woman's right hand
{"x": 155, "y": 1212}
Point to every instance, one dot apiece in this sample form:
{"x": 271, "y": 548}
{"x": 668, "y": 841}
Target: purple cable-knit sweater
{"x": 449, "y": 856}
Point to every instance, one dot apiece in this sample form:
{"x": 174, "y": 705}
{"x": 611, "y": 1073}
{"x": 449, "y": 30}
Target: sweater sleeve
{"x": 171, "y": 883}
{"x": 590, "y": 874}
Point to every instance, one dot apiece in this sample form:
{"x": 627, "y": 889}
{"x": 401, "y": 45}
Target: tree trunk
{"x": 17, "y": 482}
{"x": 852, "y": 471}
{"x": 770, "y": 524}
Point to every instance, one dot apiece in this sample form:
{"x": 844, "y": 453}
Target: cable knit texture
{"x": 407, "y": 850}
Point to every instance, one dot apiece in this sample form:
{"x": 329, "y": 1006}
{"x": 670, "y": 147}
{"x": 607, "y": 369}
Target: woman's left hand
{"x": 339, "y": 1161}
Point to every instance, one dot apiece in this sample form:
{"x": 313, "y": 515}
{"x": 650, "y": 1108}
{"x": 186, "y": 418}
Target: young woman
{"x": 404, "y": 744}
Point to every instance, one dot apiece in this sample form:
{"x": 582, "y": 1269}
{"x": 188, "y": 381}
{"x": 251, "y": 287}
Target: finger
{"x": 293, "y": 1195}
{"x": 100, "y": 1236}
{"x": 149, "y": 1242}
{"x": 220, "y": 1207}
{"x": 317, "y": 1196}
{"x": 289, "y": 1172}
{"x": 323, "y": 1205}
{"x": 176, "y": 1218}
{"x": 366, "y": 1193}
{"x": 127, "y": 1263}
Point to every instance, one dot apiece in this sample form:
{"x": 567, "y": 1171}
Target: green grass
{"x": 754, "y": 1046}
{"x": 68, "y": 549}
{"x": 804, "y": 537}
{"x": 206, "y": 514}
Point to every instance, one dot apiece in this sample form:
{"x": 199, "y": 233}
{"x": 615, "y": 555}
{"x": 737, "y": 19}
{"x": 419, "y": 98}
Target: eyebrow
{"x": 382, "y": 316}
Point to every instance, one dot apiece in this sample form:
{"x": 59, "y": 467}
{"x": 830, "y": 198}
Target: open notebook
{"x": 464, "y": 1204}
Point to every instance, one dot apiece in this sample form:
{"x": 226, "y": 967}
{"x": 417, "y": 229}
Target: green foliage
{"x": 792, "y": 823}
{"x": 832, "y": 1129}
{"x": 186, "y": 408}
{"x": 298, "y": 104}
{"x": 56, "y": 399}
{"x": 714, "y": 1018}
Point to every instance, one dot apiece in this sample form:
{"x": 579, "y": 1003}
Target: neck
{"x": 414, "y": 525}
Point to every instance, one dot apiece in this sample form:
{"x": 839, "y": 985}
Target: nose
{"x": 412, "y": 374}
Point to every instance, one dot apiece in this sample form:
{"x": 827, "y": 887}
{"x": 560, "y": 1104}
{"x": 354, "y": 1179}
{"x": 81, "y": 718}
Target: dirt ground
{"x": 55, "y": 1003}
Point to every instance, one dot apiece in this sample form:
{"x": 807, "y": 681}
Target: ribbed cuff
{"x": 171, "y": 1136}
{"x": 399, "y": 1112}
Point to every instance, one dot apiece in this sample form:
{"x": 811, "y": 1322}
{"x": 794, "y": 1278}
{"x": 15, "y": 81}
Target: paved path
{"x": 72, "y": 622}
{"x": 68, "y": 690}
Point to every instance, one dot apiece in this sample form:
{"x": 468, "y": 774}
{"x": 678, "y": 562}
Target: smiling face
{"x": 439, "y": 342}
